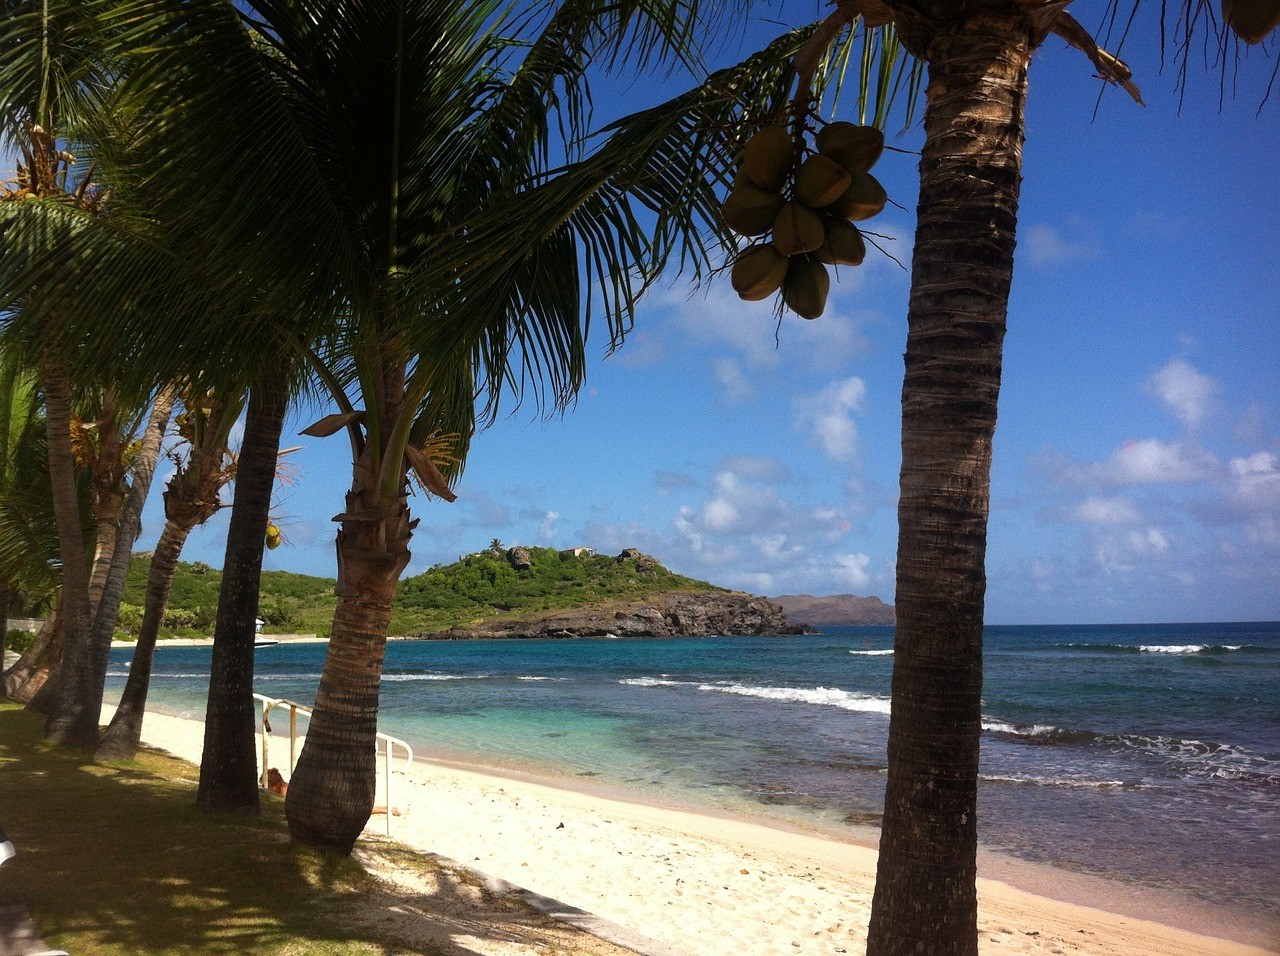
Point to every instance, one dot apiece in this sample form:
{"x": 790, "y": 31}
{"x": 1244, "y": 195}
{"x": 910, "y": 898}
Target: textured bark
{"x": 331, "y": 794}
{"x": 108, "y": 470}
{"x": 190, "y": 499}
{"x": 120, "y": 739}
{"x": 970, "y": 170}
{"x": 228, "y": 768}
{"x": 71, "y": 721}
{"x": 37, "y": 663}
{"x": 130, "y": 522}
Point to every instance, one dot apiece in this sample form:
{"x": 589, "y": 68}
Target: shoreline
{"x": 706, "y": 882}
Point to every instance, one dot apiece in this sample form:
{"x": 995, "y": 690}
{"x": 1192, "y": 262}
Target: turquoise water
{"x": 1147, "y": 753}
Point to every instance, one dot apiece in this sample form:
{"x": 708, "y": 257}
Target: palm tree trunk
{"x": 71, "y": 720}
{"x": 144, "y": 466}
{"x": 331, "y": 794}
{"x": 38, "y": 663}
{"x": 106, "y": 533}
{"x": 120, "y": 740}
{"x": 228, "y": 767}
{"x": 129, "y": 524}
{"x": 970, "y": 171}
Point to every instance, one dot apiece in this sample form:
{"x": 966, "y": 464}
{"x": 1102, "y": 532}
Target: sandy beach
{"x": 666, "y": 881}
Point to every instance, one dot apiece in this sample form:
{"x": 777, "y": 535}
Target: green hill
{"x": 482, "y": 586}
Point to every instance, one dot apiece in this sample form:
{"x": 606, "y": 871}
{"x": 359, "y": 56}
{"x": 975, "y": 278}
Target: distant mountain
{"x": 835, "y": 610}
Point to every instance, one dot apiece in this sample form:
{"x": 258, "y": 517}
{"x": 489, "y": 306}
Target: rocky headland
{"x": 667, "y": 614}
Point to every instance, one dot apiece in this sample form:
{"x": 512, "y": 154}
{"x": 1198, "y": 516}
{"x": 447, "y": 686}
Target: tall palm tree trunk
{"x": 71, "y": 720}
{"x": 228, "y": 766}
{"x": 107, "y": 527}
{"x": 108, "y": 609}
{"x": 331, "y": 793}
{"x": 925, "y": 897}
{"x": 25, "y": 678}
{"x": 120, "y": 739}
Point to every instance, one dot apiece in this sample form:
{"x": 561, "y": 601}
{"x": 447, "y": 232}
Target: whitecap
{"x": 873, "y": 653}
{"x": 1054, "y": 781}
{"x": 651, "y": 682}
{"x": 400, "y": 678}
{"x": 823, "y": 696}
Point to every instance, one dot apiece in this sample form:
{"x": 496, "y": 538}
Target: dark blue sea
{"x": 1148, "y": 753}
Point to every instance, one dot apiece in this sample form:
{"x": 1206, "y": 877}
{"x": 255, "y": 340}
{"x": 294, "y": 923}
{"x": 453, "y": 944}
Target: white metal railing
{"x": 385, "y": 745}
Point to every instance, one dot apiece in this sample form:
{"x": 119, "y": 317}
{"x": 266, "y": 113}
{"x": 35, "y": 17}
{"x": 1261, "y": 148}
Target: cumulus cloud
{"x": 1188, "y": 394}
{"x": 735, "y": 385}
{"x": 1124, "y": 552}
{"x": 1146, "y": 461}
{"x": 853, "y": 568}
{"x": 1045, "y": 246}
{"x": 1106, "y": 511}
{"x": 1256, "y": 479}
{"x": 547, "y": 527}
{"x": 747, "y": 526}
{"x": 826, "y": 416}
{"x": 715, "y": 319}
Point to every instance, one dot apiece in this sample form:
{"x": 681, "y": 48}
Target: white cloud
{"x": 1106, "y": 511}
{"x": 827, "y": 417}
{"x": 1188, "y": 394}
{"x": 1143, "y": 462}
{"x": 1047, "y": 246}
{"x": 1256, "y": 479}
{"x": 734, "y": 384}
{"x": 547, "y": 527}
{"x": 715, "y": 318}
{"x": 1125, "y": 552}
{"x": 853, "y": 569}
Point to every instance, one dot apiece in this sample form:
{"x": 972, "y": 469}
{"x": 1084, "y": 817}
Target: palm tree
{"x": 365, "y": 233}
{"x": 977, "y": 55}
{"x": 190, "y": 499}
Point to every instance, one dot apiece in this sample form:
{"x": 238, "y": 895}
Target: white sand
{"x": 705, "y": 886}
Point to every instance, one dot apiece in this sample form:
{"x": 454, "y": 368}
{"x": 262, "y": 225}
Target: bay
{"x": 1147, "y": 753}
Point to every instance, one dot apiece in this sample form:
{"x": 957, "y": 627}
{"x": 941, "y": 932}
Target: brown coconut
{"x": 758, "y": 272}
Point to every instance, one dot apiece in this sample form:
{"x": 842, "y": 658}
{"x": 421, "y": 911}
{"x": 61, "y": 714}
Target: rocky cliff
{"x": 835, "y": 609}
{"x": 668, "y": 614}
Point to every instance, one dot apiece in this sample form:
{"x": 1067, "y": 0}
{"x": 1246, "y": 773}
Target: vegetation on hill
{"x": 481, "y": 586}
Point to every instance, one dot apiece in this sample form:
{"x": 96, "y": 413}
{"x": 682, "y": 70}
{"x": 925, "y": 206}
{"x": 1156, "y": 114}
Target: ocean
{"x": 1145, "y": 753}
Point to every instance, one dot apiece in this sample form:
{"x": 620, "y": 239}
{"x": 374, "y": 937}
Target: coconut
{"x": 855, "y": 148}
{"x": 844, "y": 245}
{"x": 797, "y": 230}
{"x": 820, "y": 181}
{"x": 758, "y": 272}
{"x": 864, "y": 198}
{"x": 805, "y": 288}
{"x": 1251, "y": 20}
{"x": 750, "y": 210}
{"x": 768, "y": 157}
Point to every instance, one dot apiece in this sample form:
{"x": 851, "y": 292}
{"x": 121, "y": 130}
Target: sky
{"x": 1136, "y": 471}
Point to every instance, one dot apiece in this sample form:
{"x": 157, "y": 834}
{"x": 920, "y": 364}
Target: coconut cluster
{"x": 274, "y": 536}
{"x": 805, "y": 207}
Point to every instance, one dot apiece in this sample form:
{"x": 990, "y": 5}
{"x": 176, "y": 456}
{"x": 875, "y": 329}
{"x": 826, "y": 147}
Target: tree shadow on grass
{"x": 116, "y": 859}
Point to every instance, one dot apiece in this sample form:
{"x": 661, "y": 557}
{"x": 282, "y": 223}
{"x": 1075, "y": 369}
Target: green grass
{"x": 116, "y": 860}
{"x": 481, "y": 586}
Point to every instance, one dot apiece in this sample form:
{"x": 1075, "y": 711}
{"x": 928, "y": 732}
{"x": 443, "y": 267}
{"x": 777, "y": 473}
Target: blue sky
{"x": 1137, "y": 458}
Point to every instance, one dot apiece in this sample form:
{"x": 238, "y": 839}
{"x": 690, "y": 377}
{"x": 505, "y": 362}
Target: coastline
{"x": 695, "y": 883}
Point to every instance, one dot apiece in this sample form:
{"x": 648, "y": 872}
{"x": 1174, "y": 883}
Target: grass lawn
{"x": 116, "y": 859}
